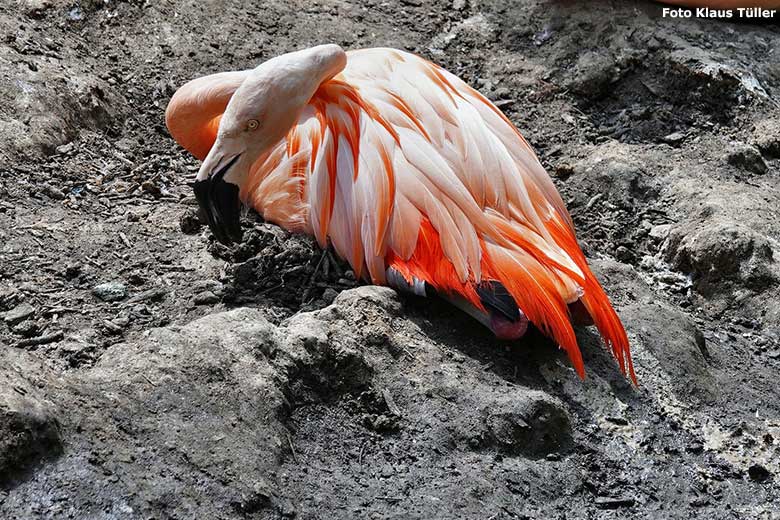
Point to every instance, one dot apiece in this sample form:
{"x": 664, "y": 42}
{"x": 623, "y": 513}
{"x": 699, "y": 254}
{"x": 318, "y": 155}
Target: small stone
{"x": 766, "y": 137}
{"x": 110, "y": 291}
{"x": 190, "y": 222}
{"x": 328, "y": 295}
{"x": 623, "y": 254}
{"x": 26, "y": 328}
{"x": 746, "y": 157}
{"x": 112, "y": 327}
{"x": 287, "y": 509}
{"x": 150, "y": 187}
{"x": 674, "y": 138}
{"x": 72, "y": 271}
{"x": 19, "y": 313}
{"x": 660, "y": 232}
{"x": 64, "y": 148}
{"x": 206, "y": 298}
{"x": 52, "y": 192}
{"x": 758, "y": 473}
{"x": 8, "y": 298}
{"x": 214, "y": 286}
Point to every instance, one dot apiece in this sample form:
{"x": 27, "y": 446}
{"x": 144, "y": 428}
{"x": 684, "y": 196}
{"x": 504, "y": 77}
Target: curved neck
{"x": 194, "y": 111}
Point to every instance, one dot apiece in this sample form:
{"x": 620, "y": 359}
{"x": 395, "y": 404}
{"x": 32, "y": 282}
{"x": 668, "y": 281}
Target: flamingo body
{"x": 418, "y": 181}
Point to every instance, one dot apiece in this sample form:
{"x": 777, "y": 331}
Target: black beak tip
{"x": 220, "y": 202}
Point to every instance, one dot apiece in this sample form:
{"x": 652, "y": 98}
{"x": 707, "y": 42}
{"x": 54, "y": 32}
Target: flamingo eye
{"x": 252, "y": 124}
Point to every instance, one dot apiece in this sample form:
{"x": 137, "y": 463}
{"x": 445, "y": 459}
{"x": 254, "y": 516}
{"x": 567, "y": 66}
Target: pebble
{"x": 65, "y": 148}
{"x": 8, "y": 298}
{"x": 328, "y": 295}
{"x": 72, "y": 271}
{"x": 26, "y": 328}
{"x": 758, "y": 473}
{"x": 190, "y": 222}
{"x": 746, "y": 157}
{"x": 52, "y": 192}
{"x": 19, "y": 313}
{"x": 674, "y": 138}
{"x": 660, "y": 232}
{"x": 110, "y": 291}
{"x": 206, "y": 298}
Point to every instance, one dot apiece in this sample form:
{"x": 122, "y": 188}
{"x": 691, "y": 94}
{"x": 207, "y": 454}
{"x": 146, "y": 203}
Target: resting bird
{"x": 412, "y": 176}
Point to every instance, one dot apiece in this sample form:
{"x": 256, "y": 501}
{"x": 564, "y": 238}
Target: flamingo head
{"x": 259, "y": 114}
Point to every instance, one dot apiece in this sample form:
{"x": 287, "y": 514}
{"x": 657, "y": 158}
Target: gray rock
{"x": 611, "y": 172}
{"x": 675, "y": 138}
{"x": 190, "y": 222}
{"x": 19, "y": 313}
{"x": 29, "y": 429}
{"x": 328, "y": 295}
{"x": 532, "y": 424}
{"x": 746, "y": 157}
{"x": 717, "y": 250}
{"x": 205, "y": 298}
{"x": 110, "y": 291}
{"x": 592, "y": 74}
{"x": 766, "y": 137}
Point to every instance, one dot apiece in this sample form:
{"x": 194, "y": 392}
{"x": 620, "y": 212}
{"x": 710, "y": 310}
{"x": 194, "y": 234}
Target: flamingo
{"x": 413, "y": 177}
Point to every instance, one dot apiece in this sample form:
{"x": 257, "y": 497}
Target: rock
{"x": 766, "y": 137}
{"x": 53, "y": 192}
{"x": 746, "y": 157}
{"x": 758, "y": 473}
{"x": 29, "y": 430}
{"x": 592, "y": 74}
{"x": 151, "y": 295}
{"x": 190, "y": 222}
{"x": 717, "y": 249}
{"x": 532, "y": 424}
{"x": 8, "y": 298}
{"x": 110, "y": 291}
{"x": 328, "y": 295}
{"x": 26, "y": 328}
{"x": 611, "y": 172}
{"x": 662, "y": 331}
{"x": 64, "y": 149}
{"x": 205, "y": 298}
{"x": 72, "y": 270}
{"x": 674, "y": 138}
{"x": 19, "y": 313}
{"x": 660, "y": 232}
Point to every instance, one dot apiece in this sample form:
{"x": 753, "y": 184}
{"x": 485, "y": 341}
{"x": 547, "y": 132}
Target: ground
{"x": 148, "y": 372}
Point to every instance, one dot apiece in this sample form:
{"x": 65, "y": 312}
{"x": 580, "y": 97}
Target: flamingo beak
{"x": 219, "y": 201}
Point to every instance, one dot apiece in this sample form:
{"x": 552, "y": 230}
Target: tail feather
{"x": 531, "y": 285}
{"x": 532, "y": 280}
{"x": 597, "y": 302}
